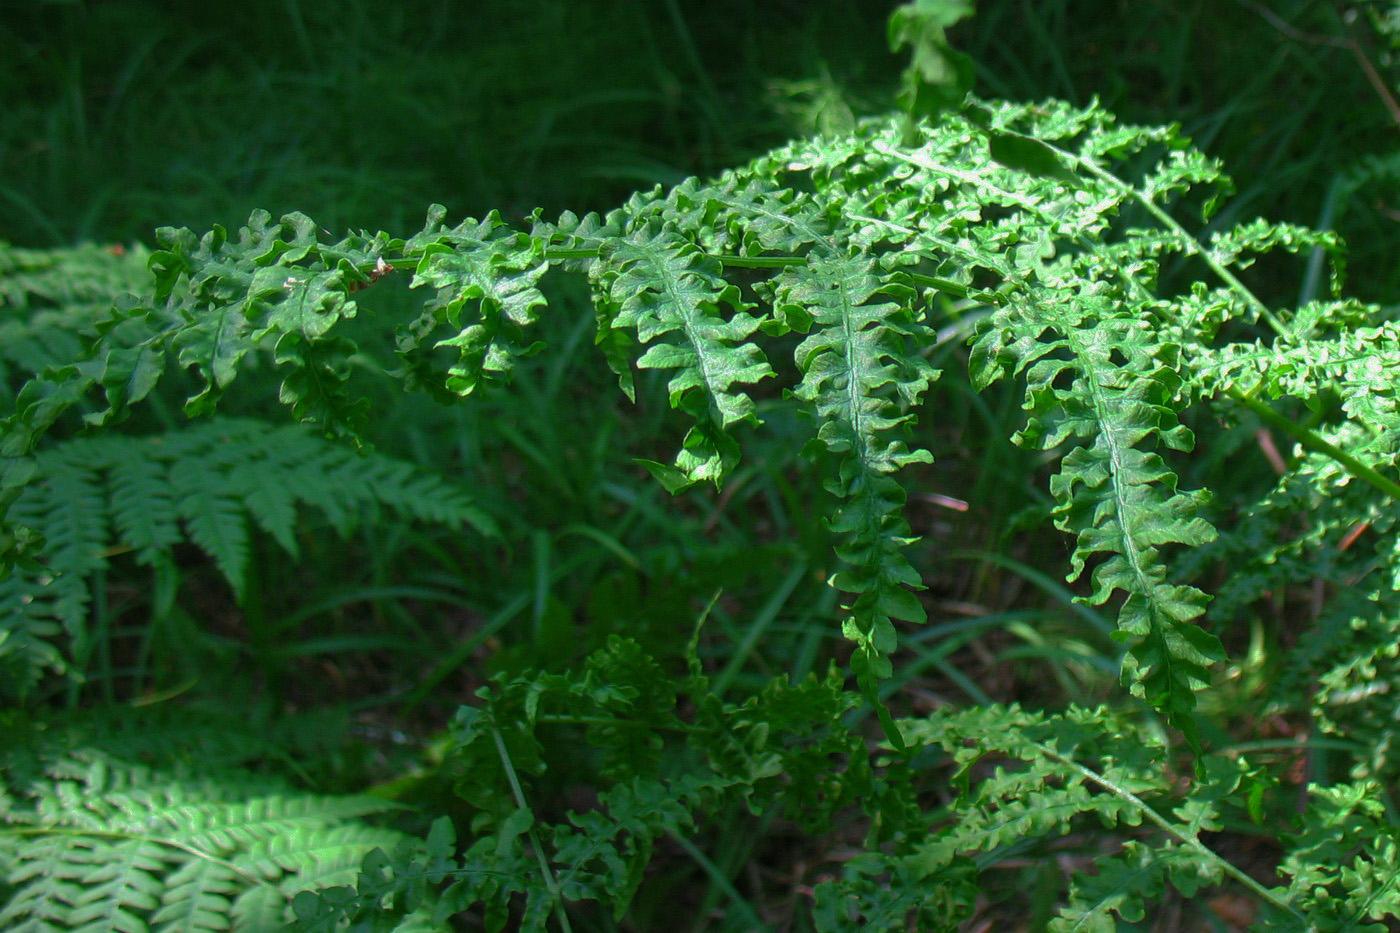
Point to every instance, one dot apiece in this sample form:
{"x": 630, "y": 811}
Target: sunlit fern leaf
{"x": 693, "y": 323}
{"x": 859, "y": 362}
{"x": 1102, "y": 381}
{"x": 486, "y": 278}
{"x": 274, "y": 283}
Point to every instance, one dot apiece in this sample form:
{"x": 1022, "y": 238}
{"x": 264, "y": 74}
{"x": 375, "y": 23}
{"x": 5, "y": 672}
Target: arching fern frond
{"x": 276, "y": 285}
{"x": 1056, "y": 219}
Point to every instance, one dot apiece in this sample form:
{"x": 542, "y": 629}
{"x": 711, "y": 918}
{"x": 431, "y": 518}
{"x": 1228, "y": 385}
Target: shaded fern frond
{"x": 118, "y": 847}
{"x": 1052, "y": 771}
{"x": 659, "y": 774}
{"x": 211, "y": 485}
{"x": 208, "y": 483}
{"x": 75, "y": 279}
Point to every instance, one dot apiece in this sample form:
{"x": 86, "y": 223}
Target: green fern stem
{"x": 1312, "y": 441}
{"x": 519, "y": 794}
{"x": 1189, "y": 242}
{"x": 737, "y": 262}
{"x": 1162, "y": 823}
{"x": 955, "y": 289}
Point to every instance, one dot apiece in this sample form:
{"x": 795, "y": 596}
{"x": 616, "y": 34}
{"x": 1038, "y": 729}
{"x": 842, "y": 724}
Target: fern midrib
{"x": 1105, "y": 419}
{"x": 794, "y": 222}
{"x": 969, "y": 178}
{"x": 853, "y": 383}
{"x": 1315, "y": 442}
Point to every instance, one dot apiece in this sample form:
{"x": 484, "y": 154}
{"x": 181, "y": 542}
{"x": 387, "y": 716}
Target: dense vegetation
{"x": 964, "y": 511}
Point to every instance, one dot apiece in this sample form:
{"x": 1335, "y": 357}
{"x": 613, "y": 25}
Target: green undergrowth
{"x": 942, "y": 519}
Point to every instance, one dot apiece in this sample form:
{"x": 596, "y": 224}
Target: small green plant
{"x": 830, "y": 276}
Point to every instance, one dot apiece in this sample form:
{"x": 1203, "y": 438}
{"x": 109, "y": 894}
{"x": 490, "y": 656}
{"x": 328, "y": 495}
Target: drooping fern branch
{"x": 1057, "y": 220}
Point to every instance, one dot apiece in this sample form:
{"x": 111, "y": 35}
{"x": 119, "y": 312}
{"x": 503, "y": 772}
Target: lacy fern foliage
{"x": 1011, "y": 205}
{"x": 770, "y": 753}
{"x": 174, "y": 840}
{"x": 831, "y": 272}
{"x": 212, "y": 485}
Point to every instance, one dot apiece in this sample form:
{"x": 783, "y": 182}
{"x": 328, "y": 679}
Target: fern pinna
{"x": 827, "y": 270}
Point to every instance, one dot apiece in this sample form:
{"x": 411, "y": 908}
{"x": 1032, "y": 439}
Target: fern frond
{"x": 859, "y": 351}
{"x": 1101, "y": 380}
{"x": 484, "y": 263}
{"x": 209, "y": 484}
{"x": 124, "y": 848}
{"x": 889, "y": 893}
{"x": 1126, "y": 886}
{"x": 654, "y": 282}
{"x": 773, "y": 753}
{"x": 30, "y": 631}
